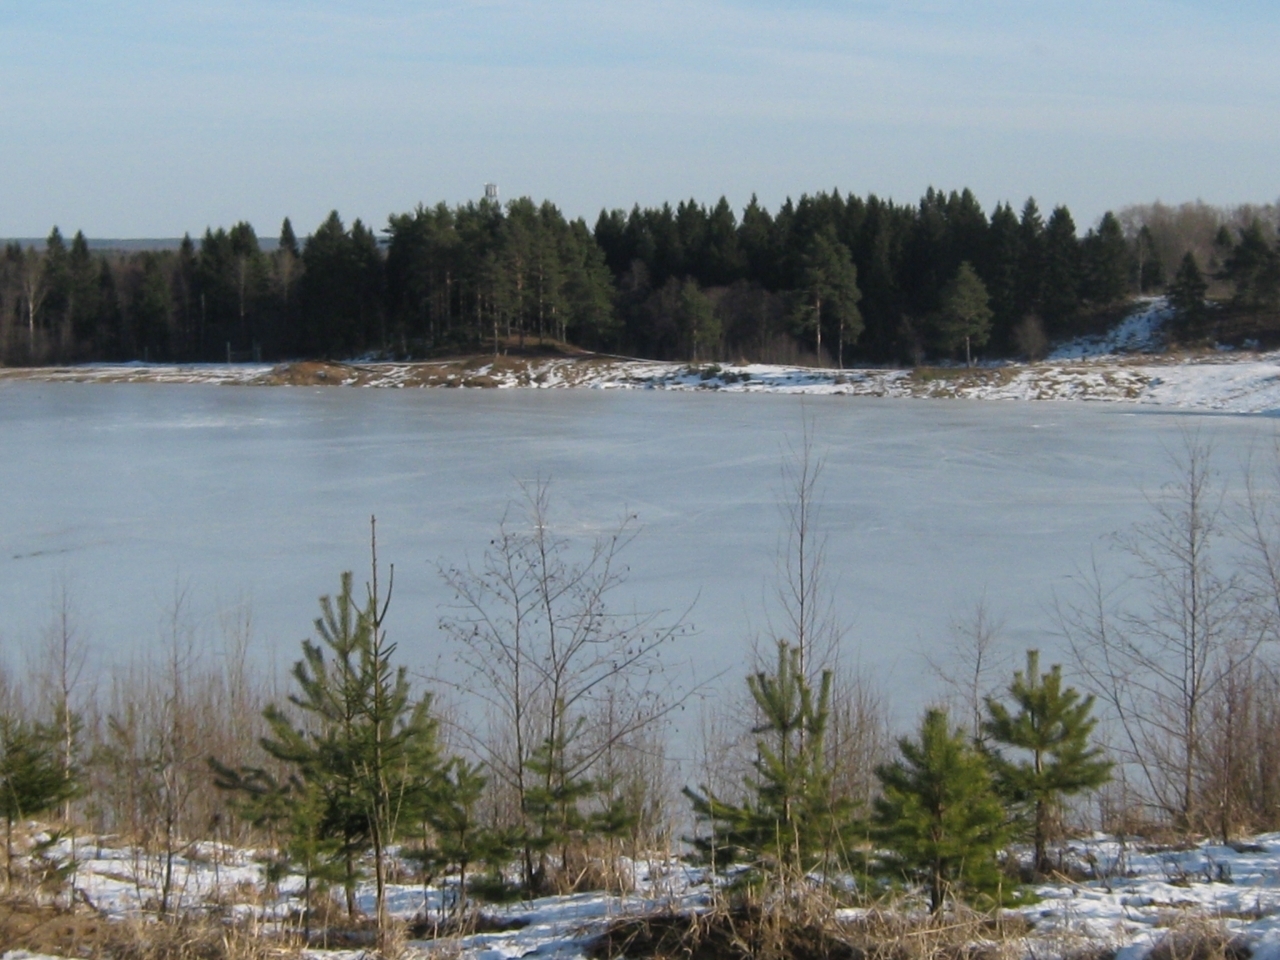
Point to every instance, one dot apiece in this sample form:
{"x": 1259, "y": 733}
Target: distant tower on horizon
{"x": 491, "y": 192}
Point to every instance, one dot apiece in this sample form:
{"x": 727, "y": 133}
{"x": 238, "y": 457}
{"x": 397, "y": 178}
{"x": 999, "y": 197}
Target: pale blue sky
{"x": 136, "y": 118}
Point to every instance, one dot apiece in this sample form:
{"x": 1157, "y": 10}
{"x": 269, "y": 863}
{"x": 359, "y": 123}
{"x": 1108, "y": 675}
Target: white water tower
{"x": 491, "y": 192}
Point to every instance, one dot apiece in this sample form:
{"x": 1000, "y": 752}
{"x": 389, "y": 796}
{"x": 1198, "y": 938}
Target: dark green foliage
{"x": 295, "y": 816}
{"x": 965, "y": 317}
{"x": 1186, "y": 295}
{"x": 1060, "y": 290}
{"x": 33, "y": 777}
{"x": 1106, "y": 263}
{"x": 288, "y": 242}
{"x": 863, "y": 278}
{"x": 1052, "y": 755}
{"x": 793, "y": 824}
{"x": 341, "y": 291}
{"x": 829, "y": 295}
{"x": 453, "y": 836}
{"x": 1253, "y": 266}
{"x": 366, "y": 751}
{"x": 939, "y": 816}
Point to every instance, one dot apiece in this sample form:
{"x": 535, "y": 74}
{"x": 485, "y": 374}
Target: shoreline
{"x": 1223, "y": 382}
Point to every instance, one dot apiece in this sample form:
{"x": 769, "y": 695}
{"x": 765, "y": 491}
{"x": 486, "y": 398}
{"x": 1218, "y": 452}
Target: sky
{"x": 151, "y": 119}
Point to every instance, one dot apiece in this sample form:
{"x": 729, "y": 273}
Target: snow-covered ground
{"x": 1122, "y": 366}
{"x": 1140, "y": 893}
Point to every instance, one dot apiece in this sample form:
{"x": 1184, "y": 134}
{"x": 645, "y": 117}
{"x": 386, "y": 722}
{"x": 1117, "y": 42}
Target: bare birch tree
{"x": 1158, "y": 656}
{"x": 534, "y": 627}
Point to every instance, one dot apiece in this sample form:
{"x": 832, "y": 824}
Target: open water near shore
{"x": 258, "y": 498}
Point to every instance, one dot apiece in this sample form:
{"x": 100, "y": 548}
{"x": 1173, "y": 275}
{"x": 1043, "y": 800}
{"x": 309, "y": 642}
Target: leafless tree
{"x": 1158, "y": 656}
{"x": 533, "y": 625}
{"x": 35, "y": 288}
{"x": 973, "y": 666}
{"x": 62, "y": 658}
{"x": 803, "y": 596}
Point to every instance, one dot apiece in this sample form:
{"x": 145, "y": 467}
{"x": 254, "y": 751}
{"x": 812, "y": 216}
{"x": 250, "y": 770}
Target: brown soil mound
{"x": 309, "y": 373}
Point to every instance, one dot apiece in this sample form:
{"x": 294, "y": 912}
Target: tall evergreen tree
{"x": 1186, "y": 295}
{"x": 1050, "y": 731}
{"x": 999, "y": 270}
{"x": 829, "y": 294}
{"x": 1031, "y": 256}
{"x": 1060, "y": 295}
{"x": 1106, "y": 262}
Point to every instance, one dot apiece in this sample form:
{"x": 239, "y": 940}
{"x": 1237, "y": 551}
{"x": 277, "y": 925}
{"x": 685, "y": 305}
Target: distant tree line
{"x": 831, "y": 279}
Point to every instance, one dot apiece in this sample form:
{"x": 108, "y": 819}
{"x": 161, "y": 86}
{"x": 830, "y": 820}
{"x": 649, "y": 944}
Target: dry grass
{"x": 1194, "y": 936}
{"x": 84, "y": 933}
{"x": 811, "y": 931}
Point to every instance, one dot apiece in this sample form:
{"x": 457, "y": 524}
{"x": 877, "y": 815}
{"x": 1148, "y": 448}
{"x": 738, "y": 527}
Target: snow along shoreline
{"x": 1125, "y": 366}
{"x": 1228, "y": 383}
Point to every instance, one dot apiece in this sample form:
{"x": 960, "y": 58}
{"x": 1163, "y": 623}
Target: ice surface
{"x": 132, "y": 493}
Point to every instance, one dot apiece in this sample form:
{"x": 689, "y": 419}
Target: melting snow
{"x": 1139, "y": 893}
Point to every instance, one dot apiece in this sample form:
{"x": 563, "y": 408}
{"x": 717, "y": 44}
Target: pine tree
{"x": 449, "y": 815}
{"x": 794, "y": 824}
{"x": 966, "y": 312}
{"x": 939, "y": 815}
{"x": 295, "y": 816}
{"x": 1051, "y": 729}
{"x": 33, "y": 778}
{"x": 553, "y": 803}
{"x": 829, "y": 294}
{"x": 369, "y": 748}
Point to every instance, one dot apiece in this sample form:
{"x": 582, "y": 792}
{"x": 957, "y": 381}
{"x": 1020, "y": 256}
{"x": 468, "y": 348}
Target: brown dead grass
{"x": 85, "y": 933}
{"x": 752, "y": 933}
{"x": 1200, "y": 938}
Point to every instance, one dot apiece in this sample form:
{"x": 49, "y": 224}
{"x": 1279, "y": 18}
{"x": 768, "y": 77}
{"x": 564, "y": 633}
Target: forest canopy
{"x": 831, "y": 279}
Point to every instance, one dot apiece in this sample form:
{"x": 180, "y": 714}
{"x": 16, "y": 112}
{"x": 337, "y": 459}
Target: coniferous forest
{"x": 833, "y": 279}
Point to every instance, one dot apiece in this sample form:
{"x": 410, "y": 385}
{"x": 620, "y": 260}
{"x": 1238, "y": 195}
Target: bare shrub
{"x": 1160, "y": 657}
{"x": 1030, "y": 339}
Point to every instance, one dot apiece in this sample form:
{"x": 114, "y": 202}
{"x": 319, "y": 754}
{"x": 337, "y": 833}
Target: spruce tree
{"x": 793, "y": 824}
{"x": 1060, "y": 294}
{"x": 939, "y": 816}
{"x": 1186, "y": 295}
{"x": 1050, "y": 730}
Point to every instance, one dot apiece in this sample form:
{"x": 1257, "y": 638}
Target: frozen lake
{"x": 263, "y": 495}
